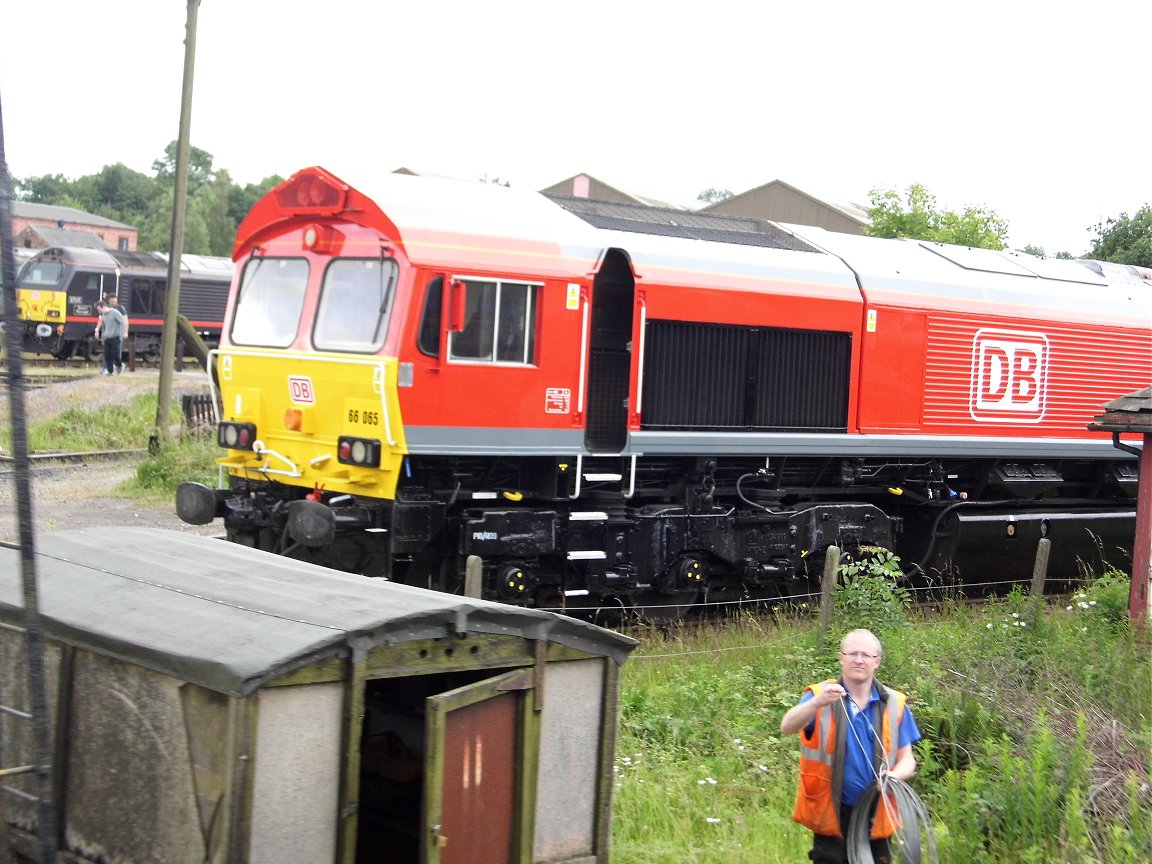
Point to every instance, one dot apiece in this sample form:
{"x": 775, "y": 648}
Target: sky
{"x": 1039, "y": 111}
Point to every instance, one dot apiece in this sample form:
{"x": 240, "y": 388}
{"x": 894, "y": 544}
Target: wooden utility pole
{"x": 176, "y": 246}
{"x": 1133, "y": 413}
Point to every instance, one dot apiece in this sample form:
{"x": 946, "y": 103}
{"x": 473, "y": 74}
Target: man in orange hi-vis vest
{"x": 839, "y": 760}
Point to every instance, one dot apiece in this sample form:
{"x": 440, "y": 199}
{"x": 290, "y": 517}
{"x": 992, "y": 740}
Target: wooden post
{"x": 1139, "y": 596}
{"x": 1040, "y": 568}
{"x": 474, "y": 577}
{"x": 1039, "y": 576}
{"x": 828, "y": 588}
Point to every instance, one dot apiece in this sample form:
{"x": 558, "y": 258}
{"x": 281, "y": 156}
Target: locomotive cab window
{"x": 43, "y": 273}
{"x": 355, "y": 303}
{"x": 499, "y": 323}
{"x": 270, "y": 300}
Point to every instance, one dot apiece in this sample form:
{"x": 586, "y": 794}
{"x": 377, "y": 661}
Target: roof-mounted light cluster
{"x": 309, "y": 192}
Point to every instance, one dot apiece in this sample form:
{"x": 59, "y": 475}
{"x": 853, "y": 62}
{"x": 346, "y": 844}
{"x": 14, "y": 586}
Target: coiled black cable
{"x": 910, "y": 814}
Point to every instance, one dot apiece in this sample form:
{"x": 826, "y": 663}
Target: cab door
{"x": 480, "y": 772}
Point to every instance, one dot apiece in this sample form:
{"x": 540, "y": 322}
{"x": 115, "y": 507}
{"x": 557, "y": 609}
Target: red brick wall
{"x": 111, "y": 236}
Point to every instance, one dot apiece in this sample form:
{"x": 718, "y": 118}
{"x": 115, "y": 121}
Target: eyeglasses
{"x": 858, "y": 655}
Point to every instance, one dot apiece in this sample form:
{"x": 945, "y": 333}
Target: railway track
{"x": 53, "y": 459}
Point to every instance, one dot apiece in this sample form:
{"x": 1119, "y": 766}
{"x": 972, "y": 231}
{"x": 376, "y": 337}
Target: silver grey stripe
{"x": 464, "y": 440}
{"x": 808, "y": 444}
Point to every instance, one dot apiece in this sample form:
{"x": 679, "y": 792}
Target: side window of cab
{"x": 495, "y": 321}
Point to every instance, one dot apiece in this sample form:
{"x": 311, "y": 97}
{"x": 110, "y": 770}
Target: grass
{"x": 127, "y": 427}
{"x": 1036, "y": 737}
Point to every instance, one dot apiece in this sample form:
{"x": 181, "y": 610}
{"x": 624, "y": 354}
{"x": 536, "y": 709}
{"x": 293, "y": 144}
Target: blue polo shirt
{"x": 858, "y": 747}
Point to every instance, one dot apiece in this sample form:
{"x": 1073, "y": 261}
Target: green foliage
{"x": 200, "y": 169}
{"x": 119, "y": 427}
{"x": 712, "y": 195}
{"x": 215, "y": 204}
{"x": 869, "y": 594}
{"x": 1125, "y": 240}
{"x": 917, "y": 215}
{"x": 1027, "y": 754}
{"x": 108, "y": 427}
{"x": 1103, "y": 602}
{"x": 192, "y": 460}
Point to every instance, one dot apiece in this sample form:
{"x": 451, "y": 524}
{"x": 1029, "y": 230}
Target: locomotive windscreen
{"x": 707, "y": 376}
{"x": 668, "y": 222}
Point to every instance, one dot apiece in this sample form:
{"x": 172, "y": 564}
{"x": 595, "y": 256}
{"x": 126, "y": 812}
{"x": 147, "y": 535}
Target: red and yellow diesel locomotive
{"x": 610, "y": 404}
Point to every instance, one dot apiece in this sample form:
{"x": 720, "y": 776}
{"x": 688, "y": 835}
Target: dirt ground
{"x": 82, "y": 495}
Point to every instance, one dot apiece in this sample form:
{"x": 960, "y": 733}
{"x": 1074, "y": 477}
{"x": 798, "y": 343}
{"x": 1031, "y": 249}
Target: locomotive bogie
{"x": 480, "y": 387}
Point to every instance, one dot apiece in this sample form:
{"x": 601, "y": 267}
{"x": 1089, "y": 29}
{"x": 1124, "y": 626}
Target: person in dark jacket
{"x": 111, "y": 330}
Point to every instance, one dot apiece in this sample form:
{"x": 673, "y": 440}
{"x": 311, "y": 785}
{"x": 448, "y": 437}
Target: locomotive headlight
{"x": 309, "y": 237}
{"x": 236, "y": 436}
{"x": 358, "y": 451}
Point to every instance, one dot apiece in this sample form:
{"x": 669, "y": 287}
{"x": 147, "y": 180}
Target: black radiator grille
{"x": 705, "y": 376}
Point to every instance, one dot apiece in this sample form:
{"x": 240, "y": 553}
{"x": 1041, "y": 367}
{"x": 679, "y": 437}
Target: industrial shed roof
{"x": 232, "y": 618}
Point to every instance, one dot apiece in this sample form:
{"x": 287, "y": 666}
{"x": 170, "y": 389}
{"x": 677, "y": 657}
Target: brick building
{"x": 38, "y": 226}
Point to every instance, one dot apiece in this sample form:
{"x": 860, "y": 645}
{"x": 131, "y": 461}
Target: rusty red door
{"x": 474, "y": 764}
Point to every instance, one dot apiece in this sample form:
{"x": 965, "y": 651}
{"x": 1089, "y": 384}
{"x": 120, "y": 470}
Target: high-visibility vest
{"x": 822, "y": 763}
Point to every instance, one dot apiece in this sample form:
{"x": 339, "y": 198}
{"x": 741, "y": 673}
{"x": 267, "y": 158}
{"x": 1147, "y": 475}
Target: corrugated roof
{"x": 66, "y": 237}
{"x": 854, "y": 212}
{"x": 232, "y": 618}
{"x": 668, "y": 222}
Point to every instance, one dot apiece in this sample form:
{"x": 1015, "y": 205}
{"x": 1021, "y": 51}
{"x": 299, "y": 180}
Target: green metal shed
{"x": 214, "y": 703}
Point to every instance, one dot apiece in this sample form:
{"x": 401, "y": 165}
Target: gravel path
{"x": 83, "y": 495}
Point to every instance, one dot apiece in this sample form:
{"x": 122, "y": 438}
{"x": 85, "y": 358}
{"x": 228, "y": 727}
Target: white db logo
{"x": 1009, "y": 376}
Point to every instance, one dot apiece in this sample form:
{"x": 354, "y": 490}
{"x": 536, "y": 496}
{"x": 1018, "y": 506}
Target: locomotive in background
{"x": 57, "y": 290}
{"x": 613, "y": 405}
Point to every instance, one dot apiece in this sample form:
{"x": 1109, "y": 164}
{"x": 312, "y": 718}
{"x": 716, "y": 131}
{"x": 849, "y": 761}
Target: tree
{"x": 917, "y": 215}
{"x": 712, "y": 195}
{"x": 1125, "y": 240}
{"x": 199, "y": 166}
{"x": 46, "y": 189}
{"x": 240, "y": 201}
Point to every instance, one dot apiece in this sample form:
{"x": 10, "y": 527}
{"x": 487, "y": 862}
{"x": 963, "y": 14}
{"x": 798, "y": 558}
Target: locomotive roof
{"x": 939, "y": 277}
{"x": 200, "y": 265}
{"x": 447, "y": 223}
{"x": 232, "y": 618}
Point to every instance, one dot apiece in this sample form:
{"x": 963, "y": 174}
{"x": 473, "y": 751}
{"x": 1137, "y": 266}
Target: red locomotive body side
{"x": 975, "y": 344}
{"x": 651, "y": 408}
{"x": 467, "y": 394}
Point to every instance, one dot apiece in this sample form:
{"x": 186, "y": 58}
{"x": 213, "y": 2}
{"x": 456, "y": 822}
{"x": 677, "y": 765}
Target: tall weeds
{"x": 1037, "y": 731}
